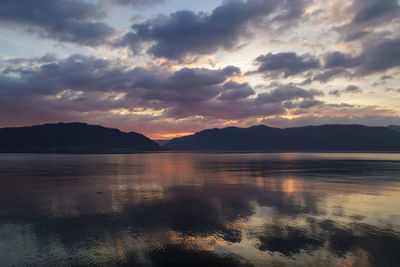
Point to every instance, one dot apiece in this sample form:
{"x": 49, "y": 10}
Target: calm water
{"x": 176, "y": 209}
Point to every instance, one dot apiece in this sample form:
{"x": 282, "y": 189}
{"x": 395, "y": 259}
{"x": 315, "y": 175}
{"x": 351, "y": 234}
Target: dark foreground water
{"x": 200, "y": 210}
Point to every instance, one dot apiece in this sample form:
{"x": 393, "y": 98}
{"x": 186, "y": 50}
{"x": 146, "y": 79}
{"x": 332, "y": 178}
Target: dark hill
{"x": 161, "y": 142}
{"x": 394, "y": 127}
{"x": 72, "y": 138}
{"x": 309, "y": 138}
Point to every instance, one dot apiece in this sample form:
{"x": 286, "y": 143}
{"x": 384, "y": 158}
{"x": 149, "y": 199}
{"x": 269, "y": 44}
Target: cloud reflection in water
{"x": 200, "y": 209}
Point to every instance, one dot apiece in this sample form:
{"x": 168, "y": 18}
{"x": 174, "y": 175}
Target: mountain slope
{"x": 394, "y": 128}
{"x": 309, "y": 138}
{"x": 160, "y": 142}
{"x": 73, "y": 138}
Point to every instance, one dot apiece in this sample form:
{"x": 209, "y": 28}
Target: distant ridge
{"x": 309, "y": 138}
{"x": 394, "y": 127}
{"x": 161, "y": 142}
{"x": 73, "y": 138}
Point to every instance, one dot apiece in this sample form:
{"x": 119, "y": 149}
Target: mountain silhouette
{"x": 394, "y": 127}
{"x": 309, "y": 138}
{"x": 73, "y": 138}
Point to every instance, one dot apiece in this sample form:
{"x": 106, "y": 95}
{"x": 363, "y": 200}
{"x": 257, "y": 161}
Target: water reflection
{"x": 200, "y": 209}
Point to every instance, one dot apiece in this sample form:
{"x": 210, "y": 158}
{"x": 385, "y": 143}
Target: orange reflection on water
{"x": 169, "y": 166}
{"x": 290, "y": 185}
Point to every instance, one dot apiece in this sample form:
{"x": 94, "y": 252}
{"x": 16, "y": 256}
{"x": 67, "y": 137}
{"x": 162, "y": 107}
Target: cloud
{"x": 79, "y": 84}
{"x": 380, "y": 56}
{"x": 386, "y": 77}
{"x": 371, "y": 26}
{"x": 96, "y": 90}
{"x": 376, "y": 56}
{"x": 286, "y": 64}
{"x": 286, "y": 92}
{"x": 308, "y": 103}
{"x": 185, "y": 33}
{"x": 351, "y": 89}
{"x": 367, "y": 17}
{"x": 335, "y": 93}
{"x": 188, "y": 87}
{"x": 337, "y": 59}
{"x": 355, "y": 36}
{"x": 66, "y": 21}
{"x": 358, "y": 41}
{"x": 336, "y": 64}
{"x": 48, "y": 57}
{"x": 234, "y": 104}
{"x": 290, "y": 10}
{"x": 234, "y": 91}
{"x": 137, "y": 3}
{"x": 397, "y": 90}
{"x": 375, "y": 12}
{"x": 88, "y": 87}
{"x": 327, "y": 75}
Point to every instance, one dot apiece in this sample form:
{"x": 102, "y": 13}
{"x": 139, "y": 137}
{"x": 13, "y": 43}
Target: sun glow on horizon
{"x": 167, "y": 136}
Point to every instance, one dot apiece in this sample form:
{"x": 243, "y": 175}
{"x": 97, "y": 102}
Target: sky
{"x": 167, "y": 68}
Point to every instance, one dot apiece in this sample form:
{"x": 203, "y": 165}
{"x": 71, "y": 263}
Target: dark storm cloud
{"x": 66, "y": 21}
{"x": 187, "y": 33}
{"x": 286, "y": 64}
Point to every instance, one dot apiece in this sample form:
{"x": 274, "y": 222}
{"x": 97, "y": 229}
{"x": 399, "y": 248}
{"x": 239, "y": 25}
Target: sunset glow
{"x": 169, "y": 68}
